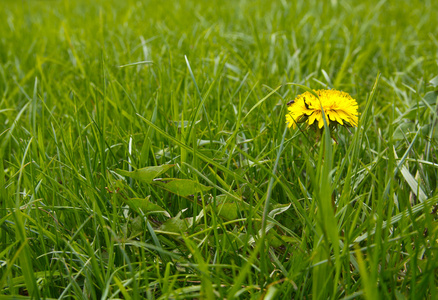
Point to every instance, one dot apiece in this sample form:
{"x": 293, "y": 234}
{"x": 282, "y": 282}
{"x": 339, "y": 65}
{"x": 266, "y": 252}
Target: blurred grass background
{"x": 79, "y": 79}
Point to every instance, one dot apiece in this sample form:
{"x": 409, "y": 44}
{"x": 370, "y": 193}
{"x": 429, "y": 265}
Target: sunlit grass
{"x": 242, "y": 206}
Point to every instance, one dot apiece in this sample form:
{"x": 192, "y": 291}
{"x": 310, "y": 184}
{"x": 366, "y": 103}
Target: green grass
{"x": 92, "y": 90}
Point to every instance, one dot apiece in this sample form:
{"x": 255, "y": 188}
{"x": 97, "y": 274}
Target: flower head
{"x": 338, "y": 106}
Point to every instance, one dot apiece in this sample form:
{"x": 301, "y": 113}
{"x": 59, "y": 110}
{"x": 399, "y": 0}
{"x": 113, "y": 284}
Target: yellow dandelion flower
{"x": 338, "y": 106}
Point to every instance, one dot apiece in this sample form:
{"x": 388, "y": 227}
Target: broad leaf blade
{"x": 228, "y": 211}
{"x": 145, "y": 174}
{"x": 182, "y": 187}
{"x": 434, "y": 81}
{"x": 144, "y": 205}
{"x": 176, "y": 224}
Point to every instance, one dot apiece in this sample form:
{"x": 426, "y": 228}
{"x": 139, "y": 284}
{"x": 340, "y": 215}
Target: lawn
{"x": 144, "y": 150}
